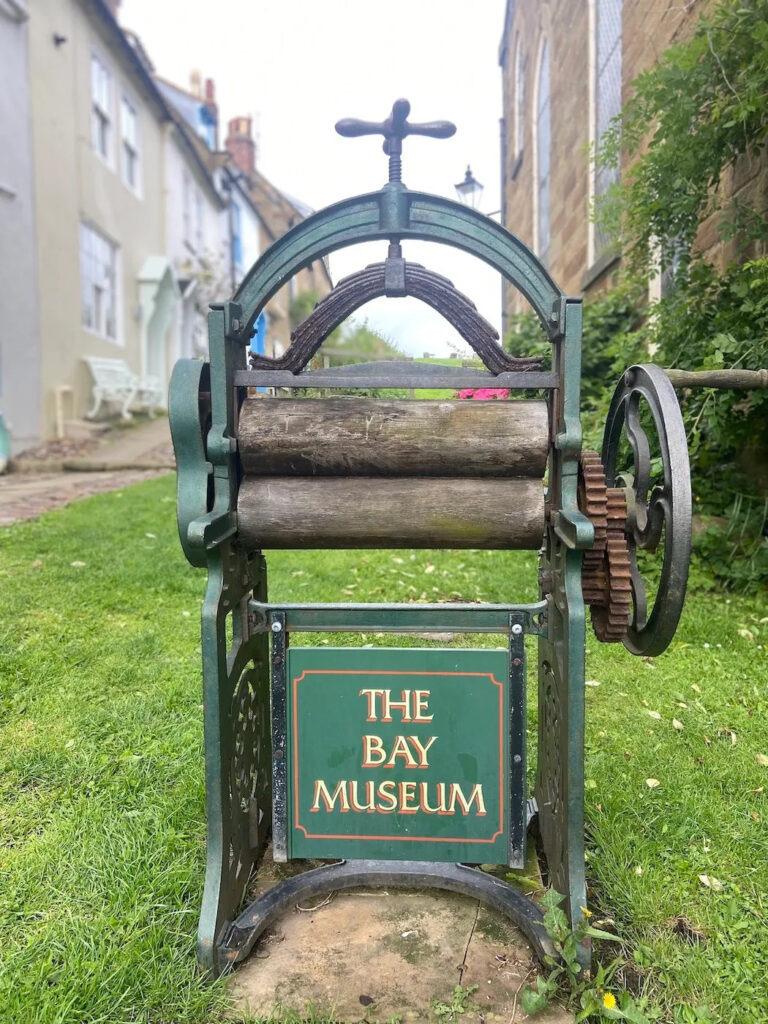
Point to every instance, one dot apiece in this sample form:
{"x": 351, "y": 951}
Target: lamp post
{"x": 469, "y": 190}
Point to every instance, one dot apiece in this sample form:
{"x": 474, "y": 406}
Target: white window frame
{"x": 593, "y": 71}
{"x": 546, "y": 258}
{"x": 102, "y": 109}
{"x": 518, "y": 121}
{"x": 94, "y": 310}
{"x": 198, "y": 220}
{"x": 128, "y": 144}
{"x": 186, "y": 208}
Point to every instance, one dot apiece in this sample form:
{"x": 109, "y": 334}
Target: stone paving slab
{"x": 28, "y": 495}
{"x": 374, "y": 957}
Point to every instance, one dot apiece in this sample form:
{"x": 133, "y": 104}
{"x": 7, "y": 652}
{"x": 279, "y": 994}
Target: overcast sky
{"x": 298, "y": 66}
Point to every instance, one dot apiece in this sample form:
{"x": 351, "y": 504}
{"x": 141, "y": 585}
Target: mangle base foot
{"x": 239, "y": 937}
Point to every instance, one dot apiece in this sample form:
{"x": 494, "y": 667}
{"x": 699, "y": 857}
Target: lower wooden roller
{"x": 399, "y": 512}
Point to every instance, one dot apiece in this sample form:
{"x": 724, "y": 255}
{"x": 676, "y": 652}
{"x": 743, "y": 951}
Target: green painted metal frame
{"x": 236, "y": 664}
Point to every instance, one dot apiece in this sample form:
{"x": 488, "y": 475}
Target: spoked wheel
{"x": 658, "y": 515}
{"x": 189, "y": 417}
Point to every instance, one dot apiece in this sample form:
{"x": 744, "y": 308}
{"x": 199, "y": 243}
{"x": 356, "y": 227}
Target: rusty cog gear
{"x": 593, "y": 497}
{"x": 606, "y": 568}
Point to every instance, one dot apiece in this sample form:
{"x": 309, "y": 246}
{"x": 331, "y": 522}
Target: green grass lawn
{"x": 101, "y": 769}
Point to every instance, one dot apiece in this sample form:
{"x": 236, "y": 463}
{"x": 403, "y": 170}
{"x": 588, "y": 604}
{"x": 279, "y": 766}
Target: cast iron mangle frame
{"x": 236, "y": 672}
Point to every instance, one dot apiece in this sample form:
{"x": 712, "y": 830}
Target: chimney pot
{"x": 240, "y": 144}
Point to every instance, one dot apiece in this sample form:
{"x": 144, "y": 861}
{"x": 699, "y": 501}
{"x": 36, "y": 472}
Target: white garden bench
{"x": 114, "y": 381}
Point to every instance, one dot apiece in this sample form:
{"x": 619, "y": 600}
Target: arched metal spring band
{"x": 397, "y": 213}
{"x": 239, "y": 938}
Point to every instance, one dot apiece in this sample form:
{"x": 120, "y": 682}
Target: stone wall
{"x": 648, "y": 28}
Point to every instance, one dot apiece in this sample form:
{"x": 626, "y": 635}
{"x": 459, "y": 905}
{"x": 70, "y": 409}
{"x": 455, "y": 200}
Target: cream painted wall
{"x": 73, "y": 183}
{"x": 19, "y": 355}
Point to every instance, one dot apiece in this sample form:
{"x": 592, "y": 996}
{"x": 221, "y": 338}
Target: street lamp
{"x": 469, "y": 190}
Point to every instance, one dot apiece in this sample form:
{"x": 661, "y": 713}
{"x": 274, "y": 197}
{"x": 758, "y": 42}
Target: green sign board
{"x": 398, "y": 754}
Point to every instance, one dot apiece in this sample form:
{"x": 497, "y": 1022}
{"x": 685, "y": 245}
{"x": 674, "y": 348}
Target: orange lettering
{"x": 373, "y": 745}
{"x": 322, "y": 791}
{"x": 387, "y": 792}
{"x": 420, "y": 698}
{"x": 369, "y": 805}
{"x": 476, "y": 796}
{"x": 371, "y": 696}
{"x": 401, "y": 749}
{"x": 402, "y": 705}
{"x": 407, "y": 790}
{"x": 421, "y": 749}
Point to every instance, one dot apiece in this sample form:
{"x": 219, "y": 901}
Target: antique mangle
{"x": 406, "y": 766}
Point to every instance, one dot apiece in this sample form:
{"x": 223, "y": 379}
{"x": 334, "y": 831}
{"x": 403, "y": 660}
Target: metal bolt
{"x": 278, "y": 753}
{"x": 517, "y": 629}
{"x": 517, "y": 662}
{"x": 277, "y": 627}
{"x": 236, "y": 325}
{"x": 517, "y": 759}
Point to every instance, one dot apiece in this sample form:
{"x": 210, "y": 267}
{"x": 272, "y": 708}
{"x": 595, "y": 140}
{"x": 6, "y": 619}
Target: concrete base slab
{"x": 387, "y": 956}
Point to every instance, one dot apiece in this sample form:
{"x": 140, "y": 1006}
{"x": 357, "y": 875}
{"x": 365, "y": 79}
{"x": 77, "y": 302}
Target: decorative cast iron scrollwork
{"x": 656, "y": 515}
{"x": 250, "y": 731}
{"x": 189, "y": 417}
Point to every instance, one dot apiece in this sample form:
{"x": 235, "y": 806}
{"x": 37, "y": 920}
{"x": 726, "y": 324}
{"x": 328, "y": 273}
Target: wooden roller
{"x": 401, "y": 512}
{"x": 380, "y": 437}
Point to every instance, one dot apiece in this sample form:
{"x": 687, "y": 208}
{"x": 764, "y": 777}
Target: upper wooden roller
{"x": 380, "y": 437}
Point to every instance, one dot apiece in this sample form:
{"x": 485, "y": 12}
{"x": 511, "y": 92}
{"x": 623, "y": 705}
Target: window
{"x": 206, "y": 126}
{"x": 519, "y": 121}
{"x": 186, "y": 208}
{"x": 542, "y": 153}
{"x": 130, "y": 134}
{"x": 607, "y": 97}
{"x": 98, "y": 279}
{"x": 101, "y": 108}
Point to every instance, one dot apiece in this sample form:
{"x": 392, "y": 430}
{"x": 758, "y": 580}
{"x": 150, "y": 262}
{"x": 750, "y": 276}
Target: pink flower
{"x": 484, "y": 394}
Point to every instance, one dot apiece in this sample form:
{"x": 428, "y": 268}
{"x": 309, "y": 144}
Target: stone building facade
{"x": 567, "y": 69}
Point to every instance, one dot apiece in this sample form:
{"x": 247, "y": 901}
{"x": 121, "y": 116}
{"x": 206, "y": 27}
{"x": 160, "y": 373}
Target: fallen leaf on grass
{"x": 747, "y": 634}
{"x": 429, "y": 568}
{"x": 762, "y": 760}
{"x": 710, "y": 882}
{"x": 591, "y": 682}
{"x": 676, "y": 724}
{"x": 727, "y": 734}
{"x": 37, "y": 564}
{"x": 638, "y": 870}
{"x": 754, "y": 816}
{"x": 77, "y": 565}
{"x": 152, "y": 536}
{"x": 654, "y": 714}
{"x": 695, "y": 688}
{"x": 760, "y": 789}
{"x": 652, "y": 783}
